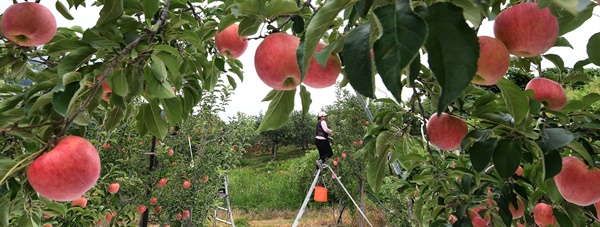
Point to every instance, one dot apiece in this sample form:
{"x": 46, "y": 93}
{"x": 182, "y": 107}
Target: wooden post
{"x": 153, "y": 163}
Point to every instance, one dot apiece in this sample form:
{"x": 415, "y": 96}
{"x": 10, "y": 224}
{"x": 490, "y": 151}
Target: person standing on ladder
{"x": 322, "y": 139}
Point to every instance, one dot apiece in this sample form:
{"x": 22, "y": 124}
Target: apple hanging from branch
{"x": 28, "y": 24}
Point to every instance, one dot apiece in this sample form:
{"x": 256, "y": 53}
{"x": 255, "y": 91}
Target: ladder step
{"x": 221, "y": 220}
{"x": 223, "y": 208}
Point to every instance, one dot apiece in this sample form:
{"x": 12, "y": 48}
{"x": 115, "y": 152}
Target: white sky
{"x": 251, "y": 91}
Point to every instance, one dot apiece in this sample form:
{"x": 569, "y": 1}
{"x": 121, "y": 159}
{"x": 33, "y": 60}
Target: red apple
{"x": 186, "y": 184}
{"x": 548, "y": 92}
{"x": 66, "y": 172}
{"x": 335, "y": 163}
{"x": 106, "y": 91}
{"x": 157, "y": 209}
{"x": 519, "y": 211}
{"x": 229, "y": 43}
{"x": 141, "y": 209}
{"x": 452, "y": 219}
{"x": 519, "y": 171}
{"x": 153, "y": 201}
{"x": 597, "y": 205}
{"x": 319, "y": 77}
{"x": 106, "y": 146}
{"x": 28, "y": 24}
{"x": 170, "y": 152}
{"x": 493, "y": 62}
{"x": 179, "y": 216}
{"x": 113, "y": 188}
{"x": 476, "y": 219}
{"x": 162, "y": 182}
{"x": 366, "y": 122}
{"x": 446, "y": 131}
{"x": 186, "y": 214}
{"x": 542, "y": 215}
{"x": 343, "y": 155}
{"x": 47, "y": 225}
{"x": 526, "y": 30}
{"x": 79, "y": 202}
{"x": 109, "y": 216}
{"x": 577, "y": 183}
{"x": 275, "y": 61}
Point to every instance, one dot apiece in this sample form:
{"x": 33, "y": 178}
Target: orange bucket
{"x": 320, "y": 194}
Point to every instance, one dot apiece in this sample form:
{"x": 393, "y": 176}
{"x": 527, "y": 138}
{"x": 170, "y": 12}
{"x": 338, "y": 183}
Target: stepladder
{"x": 312, "y": 188}
{"x": 220, "y": 212}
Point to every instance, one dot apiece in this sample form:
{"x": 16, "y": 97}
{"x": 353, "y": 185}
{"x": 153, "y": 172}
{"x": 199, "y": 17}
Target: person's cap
{"x": 321, "y": 114}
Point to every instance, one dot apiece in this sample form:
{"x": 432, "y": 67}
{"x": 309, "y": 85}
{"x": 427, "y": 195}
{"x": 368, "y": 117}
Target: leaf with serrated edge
{"x": 279, "y": 111}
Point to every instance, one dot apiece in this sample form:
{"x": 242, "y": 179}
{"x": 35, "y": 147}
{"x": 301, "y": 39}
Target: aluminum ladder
{"x": 224, "y": 193}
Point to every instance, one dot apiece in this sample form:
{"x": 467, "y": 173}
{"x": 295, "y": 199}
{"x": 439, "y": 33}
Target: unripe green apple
{"x": 28, "y": 24}
{"x": 66, "y": 172}
{"x": 229, "y": 43}
{"x": 493, "y": 61}
{"x": 548, "y": 92}
{"x": 526, "y": 30}
{"x": 446, "y": 132}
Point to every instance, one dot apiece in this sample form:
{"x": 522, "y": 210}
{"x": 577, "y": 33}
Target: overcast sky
{"x": 251, "y": 91}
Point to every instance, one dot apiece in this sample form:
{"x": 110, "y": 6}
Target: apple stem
{"x": 150, "y": 33}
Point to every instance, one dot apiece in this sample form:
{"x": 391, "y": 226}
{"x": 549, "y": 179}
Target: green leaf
{"x": 590, "y": 99}
{"x": 471, "y": 11}
{"x": 453, "y": 51}
{"x": 562, "y": 219}
{"x": 515, "y": 99}
{"x": 279, "y": 111}
{"x": 276, "y": 8}
{"x": 363, "y": 7}
{"x": 94, "y": 39}
{"x": 404, "y": 33}
{"x": 62, "y": 99}
{"x": 119, "y": 83}
{"x": 557, "y": 60}
{"x": 62, "y": 9}
{"x": 5, "y": 165}
{"x": 580, "y": 149}
{"x": 593, "y": 49}
{"x": 316, "y": 28}
{"x": 507, "y": 157}
{"x": 65, "y": 45}
{"x": 572, "y": 6}
{"x": 150, "y": 8}
{"x": 376, "y": 169}
{"x": 114, "y": 119}
{"x": 153, "y": 120}
{"x": 552, "y": 164}
{"x": 75, "y": 59}
{"x": 5, "y": 212}
{"x": 383, "y": 144}
{"x": 111, "y": 10}
{"x": 481, "y": 153}
{"x": 357, "y": 60}
{"x": 225, "y": 21}
{"x": 305, "y": 99}
{"x": 569, "y": 22}
{"x": 58, "y": 208}
{"x": 248, "y": 26}
{"x": 173, "y": 109}
{"x": 554, "y": 138}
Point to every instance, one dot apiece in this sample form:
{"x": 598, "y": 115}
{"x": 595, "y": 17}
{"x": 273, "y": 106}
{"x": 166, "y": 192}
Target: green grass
{"x": 263, "y": 184}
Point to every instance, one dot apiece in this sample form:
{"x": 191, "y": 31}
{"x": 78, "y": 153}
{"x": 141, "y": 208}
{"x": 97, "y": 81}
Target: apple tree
{"x": 155, "y": 59}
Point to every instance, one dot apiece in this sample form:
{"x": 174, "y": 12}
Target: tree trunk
{"x": 361, "y": 220}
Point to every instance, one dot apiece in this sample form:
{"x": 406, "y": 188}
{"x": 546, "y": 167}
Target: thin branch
{"x": 31, "y": 126}
{"x": 423, "y": 125}
{"x": 196, "y": 16}
{"x": 149, "y": 33}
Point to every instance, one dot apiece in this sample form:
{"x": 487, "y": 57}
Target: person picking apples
{"x": 322, "y": 139}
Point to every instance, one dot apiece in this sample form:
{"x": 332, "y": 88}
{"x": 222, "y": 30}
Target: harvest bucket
{"x": 320, "y": 194}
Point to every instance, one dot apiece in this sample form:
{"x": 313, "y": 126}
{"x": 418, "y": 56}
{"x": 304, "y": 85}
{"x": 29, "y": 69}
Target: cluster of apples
{"x": 28, "y": 24}
{"x": 275, "y": 60}
{"x": 521, "y": 30}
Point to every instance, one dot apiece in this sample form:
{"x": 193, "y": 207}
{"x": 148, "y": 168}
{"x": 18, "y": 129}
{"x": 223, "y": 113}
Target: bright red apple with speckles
{"x": 229, "y": 43}
{"x": 446, "y": 132}
{"x": 28, "y": 24}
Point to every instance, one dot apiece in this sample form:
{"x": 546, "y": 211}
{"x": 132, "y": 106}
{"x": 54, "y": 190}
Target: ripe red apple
{"x": 106, "y": 91}
{"x": 141, "y": 209}
{"x": 109, "y": 216}
{"x": 335, "y": 163}
{"x": 452, "y": 219}
{"x": 275, "y": 61}
{"x": 113, "y": 188}
{"x": 79, "y": 202}
{"x": 162, "y": 182}
{"x": 519, "y": 211}
{"x": 519, "y": 171}
{"x": 179, "y": 216}
{"x": 446, "y": 131}
{"x": 577, "y": 183}
{"x": 186, "y": 214}
{"x": 186, "y": 184}
{"x": 542, "y": 215}
{"x": 493, "y": 61}
{"x": 66, "y": 172}
{"x": 157, "y": 209}
{"x": 526, "y": 30}
{"x": 597, "y": 205}
{"x": 229, "y": 43}
{"x": 476, "y": 219}
{"x": 319, "y": 77}
{"x": 343, "y": 155}
{"x": 28, "y": 24}
{"x": 47, "y": 225}
{"x": 153, "y": 201}
{"x": 548, "y": 92}
{"x": 170, "y": 152}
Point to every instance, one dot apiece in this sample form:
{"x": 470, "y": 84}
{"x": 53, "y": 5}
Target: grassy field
{"x": 266, "y": 192}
